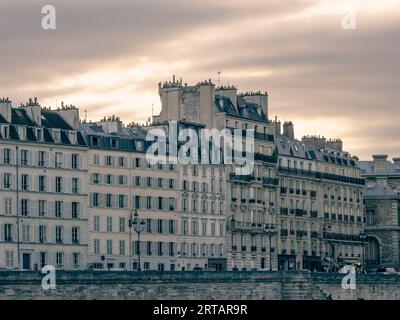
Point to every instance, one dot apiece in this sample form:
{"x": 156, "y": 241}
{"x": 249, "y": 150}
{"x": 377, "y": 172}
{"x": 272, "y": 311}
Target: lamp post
{"x": 363, "y": 236}
{"x": 138, "y": 226}
{"x": 270, "y": 231}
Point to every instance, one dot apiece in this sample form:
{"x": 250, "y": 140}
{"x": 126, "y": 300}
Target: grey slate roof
{"x": 367, "y": 169}
{"x": 243, "y": 109}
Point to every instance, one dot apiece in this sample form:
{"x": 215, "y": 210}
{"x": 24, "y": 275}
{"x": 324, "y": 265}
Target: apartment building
{"x": 382, "y": 211}
{"x": 250, "y": 198}
{"x": 43, "y": 188}
{"x": 320, "y": 199}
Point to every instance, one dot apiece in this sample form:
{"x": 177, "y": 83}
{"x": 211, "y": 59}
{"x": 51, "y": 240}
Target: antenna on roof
{"x": 219, "y": 78}
{"x": 85, "y": 115}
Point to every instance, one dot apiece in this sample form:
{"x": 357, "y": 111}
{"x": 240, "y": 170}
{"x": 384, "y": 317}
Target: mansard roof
{"x": 296, "y": 148}
{"x": 243, "y": 109}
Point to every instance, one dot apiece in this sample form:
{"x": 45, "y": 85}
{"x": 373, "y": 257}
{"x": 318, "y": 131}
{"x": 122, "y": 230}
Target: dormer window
{"x": 5, "y": 131}
{"x": 139, "y": 145}
{"x": 56, "y": 135}
{"x": 113, "y": 143}
{"x": 22, "y": 133}
{"x": 39, "y": 134}
{"x": 72, "y": 137}
{"x": 95, "y": 141}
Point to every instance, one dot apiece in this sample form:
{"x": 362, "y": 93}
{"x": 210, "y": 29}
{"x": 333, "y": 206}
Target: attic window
{"x": 95, "y": 141}
{"x": 39, "y": 134}
{"x": 139, "y": 145}
{"x": 113, "y": 143}
{"x": 56, "y": 135}
{"x": 5, "y": 131}
{"x": 72, "y": 137}
{"x": 22, "y": 133}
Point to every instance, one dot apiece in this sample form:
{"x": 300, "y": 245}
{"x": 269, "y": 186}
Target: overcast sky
{"x": 107, "y": 57}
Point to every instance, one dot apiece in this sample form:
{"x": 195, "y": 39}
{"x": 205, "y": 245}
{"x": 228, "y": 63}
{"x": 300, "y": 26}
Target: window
{"x": 160, "y": 248}
{"x": 42, "y": 234}
{"x": 75, "y": 235}
{"x": 122, "y": 161}
{"x": 8, "y": 232}
{"x": 96, "y": 223}
{"x": 7, "y": 156}
{"x": 41, "y": 158}
{"x": 96, "y": 160}
{"x": 42, "y": 184}
{"x": 24, "y": 182}
{"x": 96, "y": 178}
{"x": 121, "y": 247}
{"x": 109, "y": 247}
{"x": 194, "y": 228}
{"x": 59, "y": 209}
{"x": 5, "y": 132}
{"x": 109, "y": 161}
{"x": 75, "y": 185}
{"x": 213, "y": 229}
{"x": 42, "y": 208}
{"x": 74, "y": 161}
{"x": 121, "y": 201}
{"x": 76, "y": 258}
{"x": 58, "y": 160}
{"x": 58, "y": 184}
{"x": 161, "y": 267}
{"x": 96, "y": 246}
{"x": 109, "y": 224}
{"x": 24, "y": 207}
{"x": 24, "y": 157}
{"x": 171, "y": 249}
{"x": 75, "y": 208}
{"x": 109, "y": 200}
{"x": 148, "y": 226}
{"x": 56, "y": 135}
{"x": 185, "y": 227}
{"x": 60, "y": 260}
{"x": 121, "y": 224}
{"x": 7, "y": 206}
{"x": 160, "y": 226}
{"x": 148, "y": 248}
{"x": 171, "y": 227}
{"x": 10, "y": 259}
{"x": 95, "y": 141}
{"x": 96, "y": 200}
{"x": 7, "y": 181}
{"x": 72, "y": 137}
{"x": 59, "y": 234}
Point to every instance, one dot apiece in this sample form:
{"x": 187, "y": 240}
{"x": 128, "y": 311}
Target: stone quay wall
{"x": 240, "y": 285}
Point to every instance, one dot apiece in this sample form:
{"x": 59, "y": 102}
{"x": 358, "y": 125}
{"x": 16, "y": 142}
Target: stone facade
{"x": 382, "y": 211}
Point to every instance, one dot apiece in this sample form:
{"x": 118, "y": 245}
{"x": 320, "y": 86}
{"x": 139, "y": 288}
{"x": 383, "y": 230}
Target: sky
{"x": 331, "y": 67}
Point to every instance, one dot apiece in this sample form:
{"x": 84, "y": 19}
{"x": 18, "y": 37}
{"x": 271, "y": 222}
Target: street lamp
{"x": 363, "y": 237}
{"x": 138, "y": 226}
{"x": 270, "y": 231}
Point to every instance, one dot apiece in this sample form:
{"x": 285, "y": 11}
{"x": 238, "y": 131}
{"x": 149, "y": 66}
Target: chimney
{"x": 5, "y": 109}
{"x": 229, "y": 92}
{"x": 277, "y": 126}
{"x": 288, "y": 129}
{"x": 70, "y": 114}
{"x": 111, "y": 124}
{"x": 259, "y": 98}
{"x": 34, "y": 111}
{"x": 335, "y": 144}
{"x": 380, "y": 163}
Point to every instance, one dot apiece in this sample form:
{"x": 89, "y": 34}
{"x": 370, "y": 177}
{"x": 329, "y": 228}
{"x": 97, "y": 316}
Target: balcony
{"x": 293, "y": 252}
{"x": 313, "y": 194}
{"x": 359, "y": 219}
{"x": 351, "y": 218}
{"x": 263, "y": 249}
{"x": 265, "y": 158}
{"x": 284, "y": 211}
{"x": 314, "y": 234}
{"x": 346, "y": 218}
{"x": 292, "y": 232}
{"x": 283, "y": 190}
{"x": 304, "y": 192}
{"x": 253, "y": 248}
{"x": 314, "y": 214}
{"x": 244, "y": 248}
{"x": 326, "y": 215}
{"x": 292, "y": 211}
{"x": 234, "y": 248}
{"x": 333, "y": 216}
{"x": 298, "y": 191}
{"x": 240, "y": 178}
{"x": 270, "y": 181}
{"x": 291, "y": 190}
{"x": 284, "y": 233}
{"x": 340, "y": 217}
{"x": 299, "y": 212}
{"x": 299, "y": 233}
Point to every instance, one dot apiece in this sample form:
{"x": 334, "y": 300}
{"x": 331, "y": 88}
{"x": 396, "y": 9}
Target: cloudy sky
{"x": 107, "y": 57}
